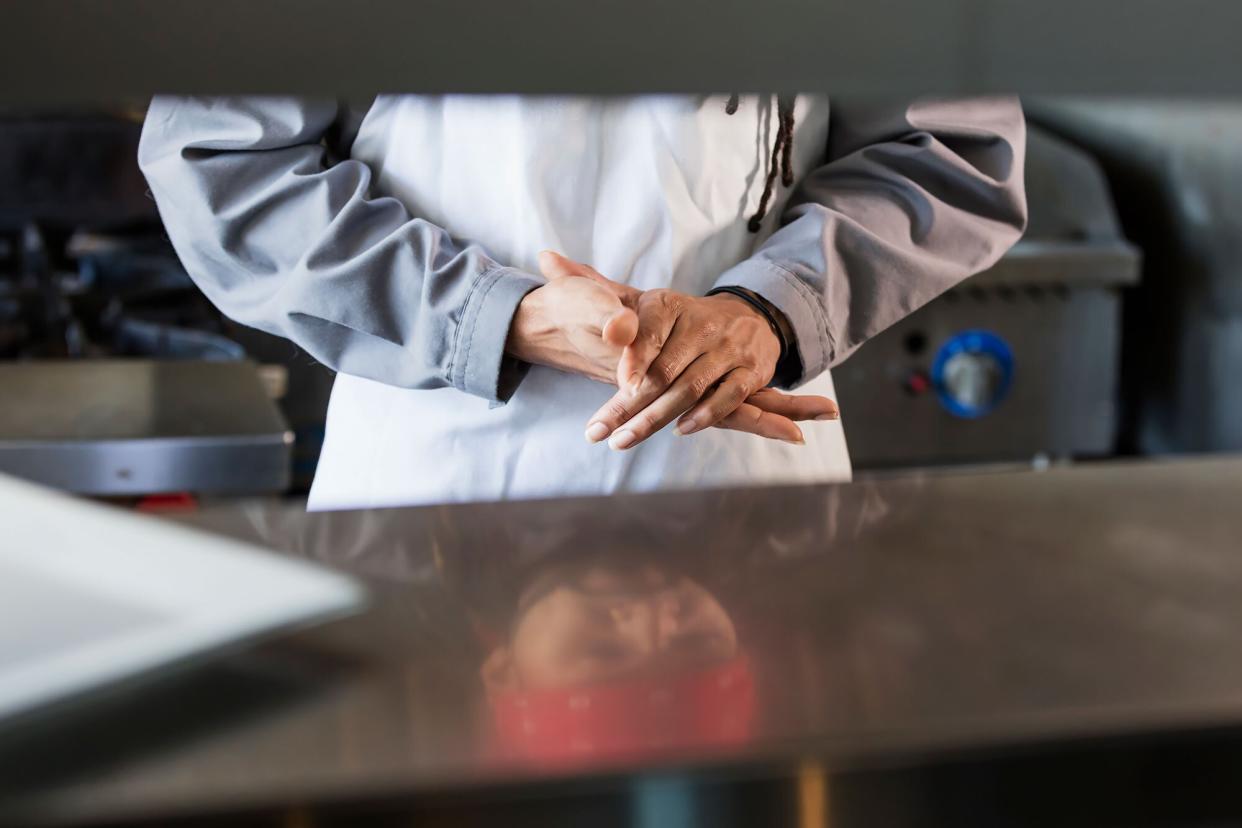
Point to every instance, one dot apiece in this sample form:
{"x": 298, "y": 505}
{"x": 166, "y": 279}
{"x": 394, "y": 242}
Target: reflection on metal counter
{"x": 531, "y": 663}
{"x": 1020, "y": 361}
{"x": 123, "y": 427}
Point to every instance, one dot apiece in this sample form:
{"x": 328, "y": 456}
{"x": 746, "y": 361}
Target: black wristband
{"x": 784, "y": 364}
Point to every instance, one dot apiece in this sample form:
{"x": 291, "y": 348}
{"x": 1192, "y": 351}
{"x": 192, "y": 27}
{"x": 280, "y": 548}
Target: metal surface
{"x": 114, "y": 427}
{"x": 1062, "y": 400}
{"x": 1051, "y": 263}
{"x": 1053, "y": 302}
{"x": 1024, "y": 648}
{"x": 103, "y": 49}
{"x": 1176, "y": 170}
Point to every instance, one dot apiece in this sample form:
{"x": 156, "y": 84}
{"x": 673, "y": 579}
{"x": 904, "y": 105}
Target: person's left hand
{"x": 698, "y": 358}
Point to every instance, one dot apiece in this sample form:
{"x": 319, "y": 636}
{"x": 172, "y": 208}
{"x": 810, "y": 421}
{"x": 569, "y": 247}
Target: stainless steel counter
{"x": 1018, "y": 647}
{"x": 136, "y": 426}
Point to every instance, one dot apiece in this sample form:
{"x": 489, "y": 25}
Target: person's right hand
{"x": 578, "y": 322}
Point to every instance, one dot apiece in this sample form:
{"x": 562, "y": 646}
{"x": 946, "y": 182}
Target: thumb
{"x": 620, "y": 326}
{"x": 619, "y": 322}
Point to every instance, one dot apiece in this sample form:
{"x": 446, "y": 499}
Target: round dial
{"x": 972, "y": 373}
{"x": 971, "y": 380}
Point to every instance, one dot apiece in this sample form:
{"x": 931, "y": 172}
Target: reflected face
{"x": 602, "y": 625}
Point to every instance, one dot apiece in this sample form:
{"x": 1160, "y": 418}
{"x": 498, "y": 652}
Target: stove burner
{"x": 96, "y": 295}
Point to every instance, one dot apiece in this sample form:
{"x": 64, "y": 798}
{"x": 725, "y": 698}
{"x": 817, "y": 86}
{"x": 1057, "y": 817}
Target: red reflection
{"x": 705, "y": 709}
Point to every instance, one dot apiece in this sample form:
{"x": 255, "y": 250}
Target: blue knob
{"x": 972, "y": 373}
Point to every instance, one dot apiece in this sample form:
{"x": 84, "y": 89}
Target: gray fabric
{"x": 911, "y": 200}
{"x": 281, "y": 240}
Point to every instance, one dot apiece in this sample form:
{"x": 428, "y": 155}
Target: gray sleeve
{"x": 912, "y": 199}
{"x": 282, "y": 239}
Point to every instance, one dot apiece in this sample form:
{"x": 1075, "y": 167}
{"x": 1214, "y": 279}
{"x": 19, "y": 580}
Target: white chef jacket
{"x": 654, "y": 192}
{"x": 398, "y": 259}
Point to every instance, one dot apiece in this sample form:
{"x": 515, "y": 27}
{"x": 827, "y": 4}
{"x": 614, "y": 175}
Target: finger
{"x": 754, "y": 420}
{"x": 657, "y": 317}
{"x": 679, "y": 397}
{"x": 555, "y": 266}
{"x": 597, "y": 306}
{"x": 795, "y": 406}
{"x": 627, "y": 402}
{"x": 720, "y": 401}
{"x": 619, "y": 325}
{"x": 629, "y": 295}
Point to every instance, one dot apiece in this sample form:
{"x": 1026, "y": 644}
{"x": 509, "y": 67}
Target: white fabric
{"x": 653, "y": 191}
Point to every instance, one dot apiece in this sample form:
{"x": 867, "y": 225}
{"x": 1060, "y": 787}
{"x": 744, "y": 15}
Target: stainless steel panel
{"x": 1112, "y": 263}
{"x": 113, "y": 427}
{"x": 1063, "y": 397}
{"x": 924, "y": 622}
{"x": 1054, "y": 300}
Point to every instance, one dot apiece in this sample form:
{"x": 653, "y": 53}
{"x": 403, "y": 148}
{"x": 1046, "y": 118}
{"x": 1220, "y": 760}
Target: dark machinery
{"x": 1017, "y": 363}
{"x": 118, "y": 377}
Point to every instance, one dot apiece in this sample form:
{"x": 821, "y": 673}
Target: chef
{"x": 529, "y": 297}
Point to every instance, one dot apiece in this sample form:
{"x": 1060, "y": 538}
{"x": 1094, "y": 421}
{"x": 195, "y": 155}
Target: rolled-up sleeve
{"x": 282, "y": 239}
{"x": 912, "y": 199}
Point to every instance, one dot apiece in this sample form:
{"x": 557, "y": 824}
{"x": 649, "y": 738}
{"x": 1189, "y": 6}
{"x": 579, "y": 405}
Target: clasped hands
{"x": 704, "y": 361}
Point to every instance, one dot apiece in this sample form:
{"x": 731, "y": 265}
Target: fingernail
{"x": 801, "y": 441}
{"x": 621, "y": 440}
{"x": 833, "y": 416}
{"x": 596, "y": 432}
{"x": 687, "y": 426}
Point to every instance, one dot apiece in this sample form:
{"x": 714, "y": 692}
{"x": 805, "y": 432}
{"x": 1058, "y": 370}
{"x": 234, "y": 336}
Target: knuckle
{"x": 647, "y": 423}
{"x": 698, "y": 386}
{"x": 741, "y": 391}
{"x": 671, "y": 299}
{"x": 617, "y": 411}
{"x": 664, "y": 371}
{"x": 649, "y": 313}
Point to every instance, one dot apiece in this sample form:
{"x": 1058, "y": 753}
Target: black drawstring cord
{"x": 785, "y": 108}
{"x": 782, "y": 154}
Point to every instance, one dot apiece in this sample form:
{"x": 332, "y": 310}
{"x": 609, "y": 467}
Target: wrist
{"x": 531, "y": 326}
{"x": 789, "y": 365}
{"x": 764, "y": 311}
{"x": 738, "y": 304}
